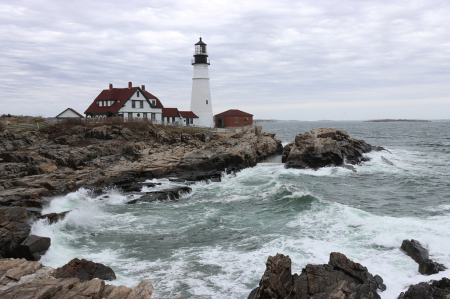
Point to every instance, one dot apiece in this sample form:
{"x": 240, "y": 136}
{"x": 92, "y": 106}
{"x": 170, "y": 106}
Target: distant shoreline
{"x": 397, "y": 120}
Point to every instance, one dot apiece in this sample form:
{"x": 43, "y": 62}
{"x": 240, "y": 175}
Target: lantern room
{"x": 200, "y": 53}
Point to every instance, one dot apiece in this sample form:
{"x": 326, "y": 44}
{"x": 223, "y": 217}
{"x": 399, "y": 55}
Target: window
{"x": 192, "y": 121}
{"x": 142, "y": 104}
{"x": 173, "y": 119}
{"x": 245, "y": 120}
{"x": 236, "y": 119}
{"x": 137, "y": 93}
{"x": 144, "y": 115}
{"x": 138, "y": 115}
{"x": 130, "y": 114}
{"x": 153, "y": 116}
{"x": 206, "y": 102}
{"x": 133, "y": 104}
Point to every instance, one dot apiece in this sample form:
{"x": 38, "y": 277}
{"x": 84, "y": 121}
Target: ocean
{"x": 214, "y": 242}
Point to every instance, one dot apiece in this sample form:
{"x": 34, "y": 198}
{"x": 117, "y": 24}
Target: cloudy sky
{"x": 305, "y": 60}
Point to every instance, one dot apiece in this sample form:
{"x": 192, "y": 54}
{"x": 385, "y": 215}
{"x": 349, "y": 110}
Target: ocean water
{"x": 213, "y": 242}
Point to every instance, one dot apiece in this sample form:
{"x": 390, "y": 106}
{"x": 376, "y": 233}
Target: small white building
{"x": 69, "y": 113}
{"x": 126, "y": 102}
{"x": 180, "y": 118}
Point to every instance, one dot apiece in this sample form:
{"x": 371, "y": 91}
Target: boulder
{"x": 33, "y": 247}
{"x": 418, "y": 253}
{"x": 340, "y": 278}
{"x": 85, "y": 270}
{"x": 324, "y": 147}
{"x": 14, "y": 229}
{"x": 437, "y": 289}
{"x": 169, "y": 194}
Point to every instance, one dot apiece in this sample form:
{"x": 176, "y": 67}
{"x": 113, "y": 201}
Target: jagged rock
{"x": 340, "y": 278}
{"x": 14, "y": 229}
{"x": 415, "y": 250}
{"x": 169, "y": 194}
{"x": 324, "y": 147}
{"x": 33, "y": 247}
{"x": 144, "y": 290}
{"x": 85, "y": 270}
{"x": 29, "y": 280}
{"x": 54, "y": 217}
{"x": 437, "y": 289}
{"x": 418, "y": 253}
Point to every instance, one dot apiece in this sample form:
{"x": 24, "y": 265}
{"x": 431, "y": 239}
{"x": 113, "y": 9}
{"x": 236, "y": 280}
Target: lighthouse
{"x": 201, "y": 96}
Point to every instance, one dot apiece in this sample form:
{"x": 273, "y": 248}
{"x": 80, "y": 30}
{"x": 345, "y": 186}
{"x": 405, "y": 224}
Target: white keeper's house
{"x": 136, "y": 102}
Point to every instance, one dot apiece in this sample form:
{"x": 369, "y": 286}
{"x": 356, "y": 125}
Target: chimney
{"x": 129, "y": 84}
{"x": 110, "y": 86}
{"x": 143, "y": 87}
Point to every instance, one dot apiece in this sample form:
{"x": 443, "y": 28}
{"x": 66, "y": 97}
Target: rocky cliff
{"x": 62, "y": 159}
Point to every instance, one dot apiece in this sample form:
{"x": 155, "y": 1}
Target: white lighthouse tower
{"x": 201, "y": 96}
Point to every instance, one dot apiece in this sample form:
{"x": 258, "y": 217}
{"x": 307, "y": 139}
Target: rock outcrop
{"x": 85, "y": 270}
{"x": 437, "y": 289}
{"x": 340, "y": 278}
{"x": 324, "y": 147}
{"x": 169, "y": 194}
{"x": 58, "y": 160}
{"x": 418, "y": 253}
{"x": 29, "y": 280}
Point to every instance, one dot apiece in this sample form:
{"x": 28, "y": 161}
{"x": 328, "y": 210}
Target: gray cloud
{"x": 276, "y": 59}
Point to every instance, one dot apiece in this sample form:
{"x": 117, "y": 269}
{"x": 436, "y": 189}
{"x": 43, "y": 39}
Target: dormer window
{"x": 137, "y": 93}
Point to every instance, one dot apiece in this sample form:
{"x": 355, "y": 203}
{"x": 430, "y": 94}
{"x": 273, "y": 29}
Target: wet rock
{"x": 324, "y": 147}
{"x": 418, "y": 253}
{"x": 137, "y": 187}
{"x": 54, "y": 217}
{"x": 33, "y": 247}
{"x": 85, "y": 270}
{"x": 14, "y": 229}
{"x": 437, "y": 289}
{"x": 340, "y": 278}
{"x": 169, "y": 194}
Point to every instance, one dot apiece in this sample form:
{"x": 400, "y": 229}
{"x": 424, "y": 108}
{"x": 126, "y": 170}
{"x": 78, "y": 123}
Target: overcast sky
{"x": 305, "y": 60}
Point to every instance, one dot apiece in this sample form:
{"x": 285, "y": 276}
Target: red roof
{"x": 185, "y": 114}
{"x": 170, "y": 112}
{"x": 234, "y": 112}
{"x": 72, "y": 111}
{"x": 117, "y": 94}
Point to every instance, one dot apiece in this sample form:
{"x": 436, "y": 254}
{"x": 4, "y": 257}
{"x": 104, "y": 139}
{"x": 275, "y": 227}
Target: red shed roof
{"x": 170, "y": 112}
{"x": 234, "y": 112}
{"x": 120, "y": 96}
{"x": 188, "y": 114}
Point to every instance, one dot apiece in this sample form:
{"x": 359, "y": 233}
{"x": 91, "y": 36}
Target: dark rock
{"x": 340, "y": 278}
{"x": 85, "y": 270}
{"x": 428, "y": 267}
{"x": 55, "y": 217}
{"x": 277, "y": 279}
{"x": 14, "y": 229}
{"x": 169, "y": 194}
{"x": 419, "y": 291}
{"x": 33, "y": 247}
{"x": 418, "y": 253}
{"x": 324, "y": 147}
{"x": 415, "y": 250}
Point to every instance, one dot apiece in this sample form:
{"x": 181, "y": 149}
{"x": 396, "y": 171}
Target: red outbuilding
{"x": 233, "y": 118}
